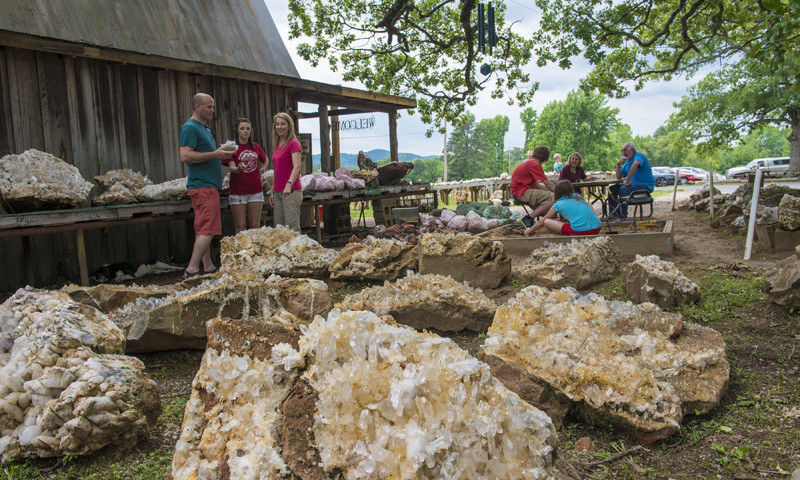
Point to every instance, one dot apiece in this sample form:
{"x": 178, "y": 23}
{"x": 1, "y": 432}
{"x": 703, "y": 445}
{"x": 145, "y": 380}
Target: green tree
{"x": 528, "y": 118}
{"x": 492, "y": 132}
{"x": 427, "y": 169}
{"x": 424, "y": 49}
{"x": 582, "y": 123}
{"x": 466, "y": 151}
{"x": 636, "y": 41}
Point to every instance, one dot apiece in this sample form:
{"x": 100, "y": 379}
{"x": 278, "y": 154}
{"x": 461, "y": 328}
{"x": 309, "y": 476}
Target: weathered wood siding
{"x": 99, "y": 116}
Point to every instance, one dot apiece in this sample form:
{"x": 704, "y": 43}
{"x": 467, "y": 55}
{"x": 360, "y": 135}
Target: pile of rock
{"x": 35, "y": 180}
{"x": 357, "y": 397}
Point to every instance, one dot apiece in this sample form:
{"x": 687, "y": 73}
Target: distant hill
{"x": 349, "y": 160}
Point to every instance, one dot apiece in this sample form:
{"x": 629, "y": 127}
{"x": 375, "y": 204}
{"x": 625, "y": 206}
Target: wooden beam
{"x": 337, "y": 160}
{"x": 369, "y": 105}
{"x": 333, "y": 113}
{"x": 324, "y": 139}
{"x": 393, "y": 149}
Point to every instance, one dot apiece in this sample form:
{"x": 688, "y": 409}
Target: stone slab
{"x": 786, "y": 241}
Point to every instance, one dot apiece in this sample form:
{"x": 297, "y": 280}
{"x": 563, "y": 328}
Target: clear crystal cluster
{"x": 415, "y": 290}
{"x": 553, "y": 254}
{"x": 63, "y": 388}
{"x": 125, "y": 177}
{"x": 248, "y": 394}
{"x": 667, "y": 271}
{"x": 279, "y": 251}
{"x": 161, "y": 192}
{"x": 34, "y": 178}
{"x": 374, "y": 259}
{"x": 613, "y": 355}
{"x": 394, "y": 403}
{"x": 578, "y": 263}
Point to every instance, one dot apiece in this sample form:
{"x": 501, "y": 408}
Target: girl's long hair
{"x": 564, "y": 188}
{"x": 236, "y": 124}
{"x": 290, "y": 135}
{"x": 580, "y": 159}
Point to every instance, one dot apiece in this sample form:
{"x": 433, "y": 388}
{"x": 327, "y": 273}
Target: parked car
{"x": 663, "y": 176}
{"x": 688, "y": 176}
{"x": 771, "y": 167}
{"x": 703, "y": 173}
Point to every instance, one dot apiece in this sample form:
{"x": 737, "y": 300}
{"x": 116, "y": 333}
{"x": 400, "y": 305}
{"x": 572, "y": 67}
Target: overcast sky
{"x": 644, "y": 111}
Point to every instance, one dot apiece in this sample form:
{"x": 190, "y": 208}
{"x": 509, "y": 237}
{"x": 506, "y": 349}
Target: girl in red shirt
{"x": 246, "y": 196}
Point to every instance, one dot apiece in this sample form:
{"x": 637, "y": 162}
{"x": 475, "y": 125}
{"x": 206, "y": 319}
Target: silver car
{"x": 772, "y": 167}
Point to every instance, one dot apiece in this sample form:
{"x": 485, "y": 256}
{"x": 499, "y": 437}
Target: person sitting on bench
{"x": 574, "y": 209}
{"x": 530, "y": 185}
{"x": 636, "y": 174}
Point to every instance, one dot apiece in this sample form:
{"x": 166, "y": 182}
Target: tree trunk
{"x": 794, "y": 143}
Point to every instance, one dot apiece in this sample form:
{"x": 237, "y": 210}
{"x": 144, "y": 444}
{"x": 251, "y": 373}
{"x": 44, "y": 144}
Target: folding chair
{"x": 636, "y": 199}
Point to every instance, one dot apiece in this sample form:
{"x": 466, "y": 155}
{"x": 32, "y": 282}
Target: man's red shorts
{"x": 207, "y": 216}
{"x": 567, "y": 230}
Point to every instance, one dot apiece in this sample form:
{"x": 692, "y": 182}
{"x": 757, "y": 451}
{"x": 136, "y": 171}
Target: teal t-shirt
{"x": 208, "y": 173}
{"x": 580, "y": 215}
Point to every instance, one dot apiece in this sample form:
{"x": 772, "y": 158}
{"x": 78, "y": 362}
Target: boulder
{"x": 650, "y": 279}
{"x": 163, "y": 192}
{"x": 35, "y": 180}
{"x": 355, "y": 397}
{"x": 64, "y": 387}
{"x": 110, "y": 297}
{"x": 179, "y": 321}
{"x": 374, "y": 259}
{"x": 788, "y": 217}
{"x": 123, "y": 177}
{"x": 279, "y": 251}
{"x": 635, "y": 366}
{"x": 427, "y": 302}
{"x": 579, "y": 263}
{"x": 116, "y": 194}
{"x": 481, "y": 262}
{"x": 782, "y": 283}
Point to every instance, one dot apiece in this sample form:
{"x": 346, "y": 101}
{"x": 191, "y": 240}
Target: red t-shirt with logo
{"x": 248, "y": 180}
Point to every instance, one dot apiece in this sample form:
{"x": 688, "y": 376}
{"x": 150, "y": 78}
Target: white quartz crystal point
{"x": 427, "y": 302}
{"x": 394, "y": 403}
{"x": 278, "y": 251}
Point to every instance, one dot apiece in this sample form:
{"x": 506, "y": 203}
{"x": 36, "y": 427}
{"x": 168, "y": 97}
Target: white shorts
{"x": 245, "y": 199}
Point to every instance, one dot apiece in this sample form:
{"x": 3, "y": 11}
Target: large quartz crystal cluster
{"x": 279, "y": 251}
{"x": 163, "y": 192}
{"x": 64, "y": 388}
{"x": 481, "y": 262}
{"x": 374, "y": 259}
{"x": 427, "y": 302}
{"x": 650, "y": 279}
{"x": 178, "y": 320}
{"x": 633, "y": 365}
{"x": 35, "y": 180}
{"x": 118, "y": 187}
{"x": 355, "y": 397}
{"x": 579, "y": 263}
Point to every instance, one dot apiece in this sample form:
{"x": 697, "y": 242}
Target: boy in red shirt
{"x": 530, "y": 185}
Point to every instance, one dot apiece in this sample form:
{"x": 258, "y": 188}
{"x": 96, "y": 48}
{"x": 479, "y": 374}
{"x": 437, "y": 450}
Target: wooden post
{"x": 81, "y": 247}
{"x": 393, "y": 155}
{"x": 324, "y": 139}
{"x": 336, "y": 155}
{"x": 26, "y": 252}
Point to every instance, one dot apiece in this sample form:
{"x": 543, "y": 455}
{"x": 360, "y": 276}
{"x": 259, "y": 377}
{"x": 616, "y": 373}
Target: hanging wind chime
{"x": 486, "y": 25}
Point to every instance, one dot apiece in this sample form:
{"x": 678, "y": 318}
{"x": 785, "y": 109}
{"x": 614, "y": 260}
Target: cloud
{"x": 644, "y": 110}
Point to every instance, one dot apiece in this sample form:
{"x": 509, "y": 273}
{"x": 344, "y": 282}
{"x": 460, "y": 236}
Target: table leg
{"x": 80, "y": 245}
{"x": 316, "y": 224}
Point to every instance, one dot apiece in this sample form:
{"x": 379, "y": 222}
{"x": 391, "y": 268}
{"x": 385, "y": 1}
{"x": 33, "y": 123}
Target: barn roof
{"x": 232, "y": 33}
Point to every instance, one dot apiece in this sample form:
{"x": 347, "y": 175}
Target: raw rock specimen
{"x": 35, "y": 180}
{"x": 481, "y": 262}
{"x": 374, "y": 259}
{"x": 789, "y": 213}
{"x": 116, "y": 194}
{"x": 179, "y": 320}
{"x": 393, "y": 172}
{"x": 64, "y": 390}
{"x": 268, "y": 180}
{"x": 783, "y": 283}
{"x": 427, "y": 302}
{"x": 579, "y": 264}
{"x": 278, "y": 251}
{"x": 355, "y": 397}
{"x": 124, "y": 177}
{"x": 163, "y": 192}
{"x": 650, "y": 279}
{"x": 108, "y": 297}
{"x": 632, "y": 365}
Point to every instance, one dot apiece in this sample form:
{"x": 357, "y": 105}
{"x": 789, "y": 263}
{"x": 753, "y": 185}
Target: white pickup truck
{"x": 772, "y": 167}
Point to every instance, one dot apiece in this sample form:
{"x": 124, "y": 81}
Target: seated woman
{"x": 572, "y": 207}
{"x": 573, "y": 170}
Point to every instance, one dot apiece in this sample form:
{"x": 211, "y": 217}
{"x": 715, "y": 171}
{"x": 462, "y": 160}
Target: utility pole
{"x": 445, "y": 151}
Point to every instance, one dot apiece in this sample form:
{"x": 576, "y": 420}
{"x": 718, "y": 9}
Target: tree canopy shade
{"x": 634, "y": 41}
{"x": 425, "y": 49}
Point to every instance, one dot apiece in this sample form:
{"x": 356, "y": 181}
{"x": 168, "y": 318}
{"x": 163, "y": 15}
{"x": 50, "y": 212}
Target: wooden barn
{"x": 107, "y": 85}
